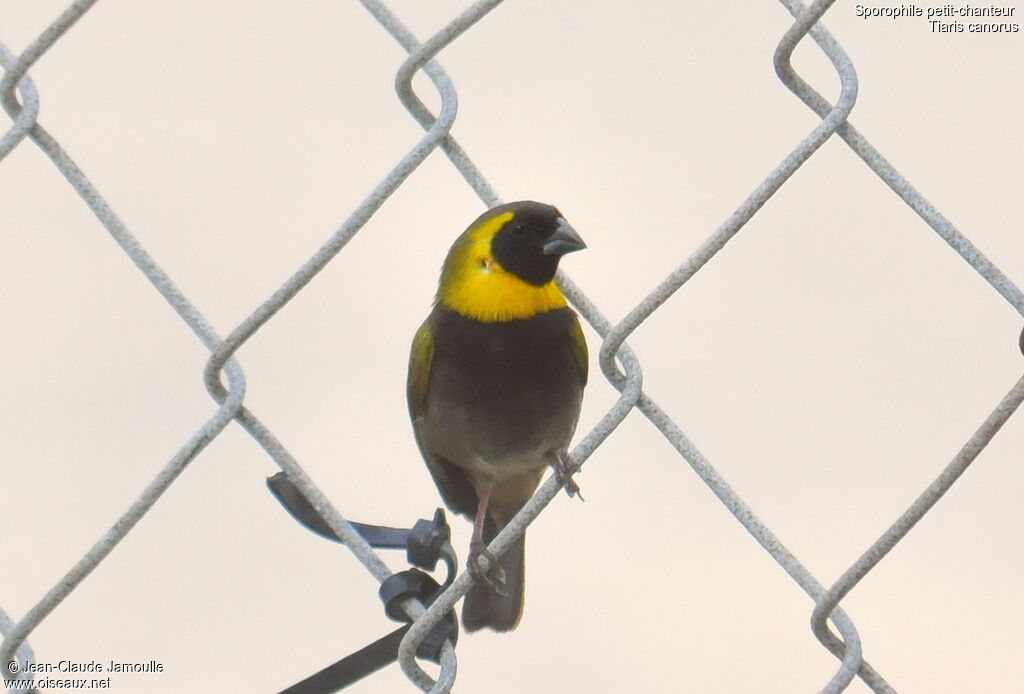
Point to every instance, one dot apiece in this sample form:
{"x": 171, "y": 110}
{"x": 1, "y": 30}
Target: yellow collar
{"x": 474, "y": 285}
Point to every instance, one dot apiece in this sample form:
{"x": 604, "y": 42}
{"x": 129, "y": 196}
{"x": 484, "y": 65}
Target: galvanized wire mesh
{"x": 618, "y": 363}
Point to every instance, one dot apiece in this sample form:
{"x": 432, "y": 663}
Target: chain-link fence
{"x": 225, "y": 381}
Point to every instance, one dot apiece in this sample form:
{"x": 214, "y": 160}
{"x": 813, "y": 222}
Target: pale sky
{"x": 829, "y": 361}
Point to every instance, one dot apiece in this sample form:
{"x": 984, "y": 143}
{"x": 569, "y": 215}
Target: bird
{"x": 495, "y": 385}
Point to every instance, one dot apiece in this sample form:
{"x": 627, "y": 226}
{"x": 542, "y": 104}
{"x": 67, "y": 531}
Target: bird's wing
{"x": 451, "y": 480}
{"x": 580, "y": 350}
{"x": 420, "y": 357}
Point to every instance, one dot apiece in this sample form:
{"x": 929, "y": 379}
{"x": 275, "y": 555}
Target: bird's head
{"x": 503, "y": 266}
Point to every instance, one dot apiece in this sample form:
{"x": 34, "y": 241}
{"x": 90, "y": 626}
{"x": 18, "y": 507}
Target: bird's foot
{"x": 564, "y": 468}
{"x": 494, "y": 575}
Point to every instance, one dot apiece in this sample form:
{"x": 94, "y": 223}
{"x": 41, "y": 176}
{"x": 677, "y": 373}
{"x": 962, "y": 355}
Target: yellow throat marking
{"x": 474, "y": 285}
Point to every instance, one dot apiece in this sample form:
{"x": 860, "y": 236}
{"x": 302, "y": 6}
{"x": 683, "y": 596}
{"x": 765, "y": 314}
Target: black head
{"x": 530, "y": 244}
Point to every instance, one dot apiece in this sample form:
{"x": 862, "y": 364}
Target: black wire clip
{"x": 424, "y": 544}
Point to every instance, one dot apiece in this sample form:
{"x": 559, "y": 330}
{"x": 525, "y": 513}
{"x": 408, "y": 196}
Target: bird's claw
{"x": 494, "y": 576}
{"x": 563, "y": 471}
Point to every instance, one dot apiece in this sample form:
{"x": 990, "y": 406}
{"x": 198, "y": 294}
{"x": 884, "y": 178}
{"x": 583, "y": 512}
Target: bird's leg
{"x": 563, "y": 471}
{"x": 494, "y": 576}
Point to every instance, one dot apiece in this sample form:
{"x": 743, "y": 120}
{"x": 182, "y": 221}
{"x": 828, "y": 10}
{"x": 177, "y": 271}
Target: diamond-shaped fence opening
{"x": 839, "y": 361}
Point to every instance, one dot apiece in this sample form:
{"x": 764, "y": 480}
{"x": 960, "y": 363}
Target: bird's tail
{"x": 483, "y": 606}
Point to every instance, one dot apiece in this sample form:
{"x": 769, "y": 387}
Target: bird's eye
{"x": 518, "y": 230}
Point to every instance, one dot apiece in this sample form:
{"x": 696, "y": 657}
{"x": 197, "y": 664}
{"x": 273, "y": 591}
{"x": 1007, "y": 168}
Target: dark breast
{"x": 502, "y": 389}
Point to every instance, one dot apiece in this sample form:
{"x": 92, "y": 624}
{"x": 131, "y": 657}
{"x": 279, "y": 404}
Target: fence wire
{"x": 619, "y": 365}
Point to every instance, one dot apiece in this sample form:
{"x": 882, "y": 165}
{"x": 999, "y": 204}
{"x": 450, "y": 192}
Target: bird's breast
{"x": 502, "y": 395}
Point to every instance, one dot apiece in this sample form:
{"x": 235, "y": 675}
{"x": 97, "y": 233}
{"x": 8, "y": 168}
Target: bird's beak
{"x": 564, "y": 240}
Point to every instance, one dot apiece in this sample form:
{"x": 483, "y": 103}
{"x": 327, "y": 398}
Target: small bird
{"x": 496, "y": 377}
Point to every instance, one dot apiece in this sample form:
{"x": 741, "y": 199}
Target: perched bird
{"x": 496, "y": 376}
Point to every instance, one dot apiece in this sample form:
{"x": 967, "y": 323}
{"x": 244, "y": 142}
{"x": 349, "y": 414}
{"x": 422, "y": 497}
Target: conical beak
{"x": 564, "y": 240}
